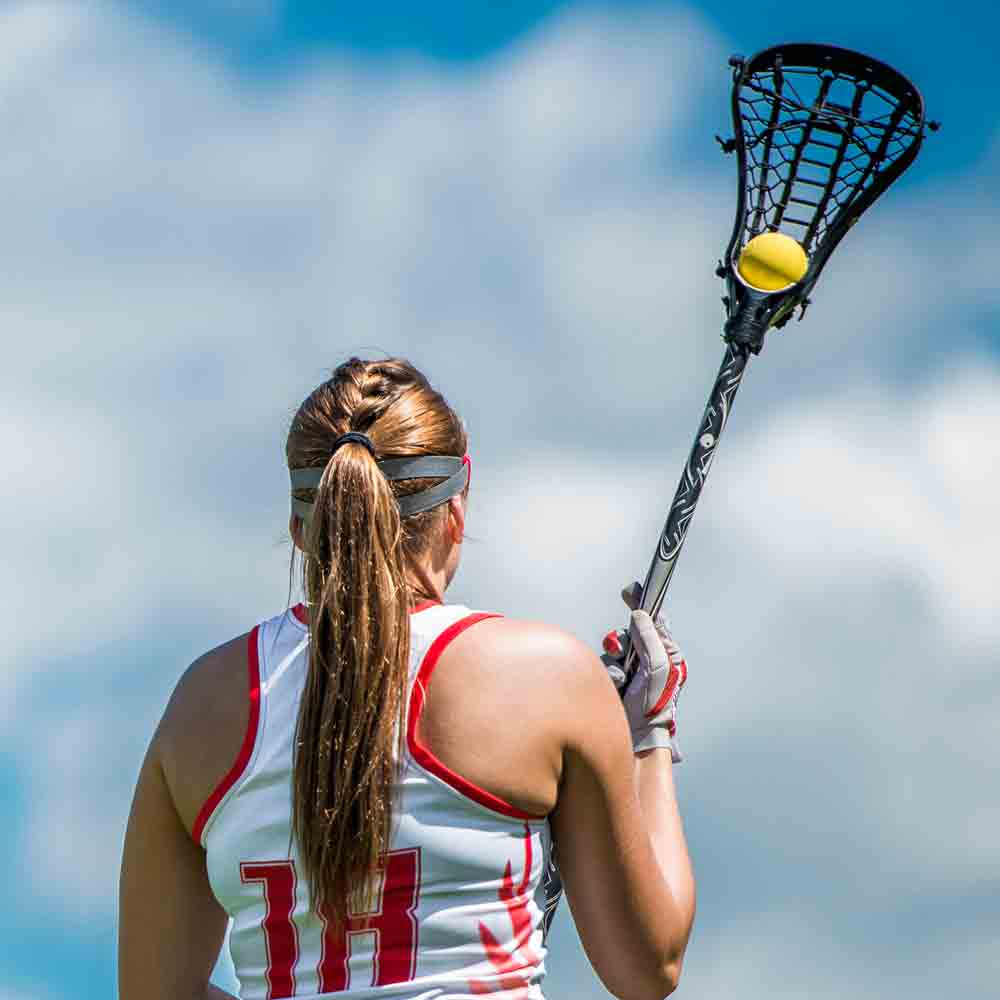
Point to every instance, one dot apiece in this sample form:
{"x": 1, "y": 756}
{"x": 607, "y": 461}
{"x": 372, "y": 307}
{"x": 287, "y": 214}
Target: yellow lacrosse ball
{"x": 772, "y": 261}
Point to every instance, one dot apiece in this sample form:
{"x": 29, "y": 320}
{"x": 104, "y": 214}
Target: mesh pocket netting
{"x": 821, "y": 132}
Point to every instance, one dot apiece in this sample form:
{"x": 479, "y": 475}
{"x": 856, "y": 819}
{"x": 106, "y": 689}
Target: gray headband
{"x": 394, "y": 469}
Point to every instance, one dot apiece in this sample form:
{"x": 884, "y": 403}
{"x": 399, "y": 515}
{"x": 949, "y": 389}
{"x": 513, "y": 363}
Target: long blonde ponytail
{"x": 357, "y": 552}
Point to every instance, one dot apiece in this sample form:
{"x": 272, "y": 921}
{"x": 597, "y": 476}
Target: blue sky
{"x": 211, "y": 204}
{"x": 950, "y": 57}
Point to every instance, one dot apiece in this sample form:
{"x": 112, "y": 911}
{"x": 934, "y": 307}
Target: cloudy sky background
{"x": 209, "y": 205}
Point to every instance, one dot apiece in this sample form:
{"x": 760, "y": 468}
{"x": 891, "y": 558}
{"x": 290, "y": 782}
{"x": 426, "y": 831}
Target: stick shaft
{"x": 713, "y": 423}
{"x": 661, "y": 569}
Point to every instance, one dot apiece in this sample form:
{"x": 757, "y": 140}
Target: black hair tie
{"x": 354, "y": 437}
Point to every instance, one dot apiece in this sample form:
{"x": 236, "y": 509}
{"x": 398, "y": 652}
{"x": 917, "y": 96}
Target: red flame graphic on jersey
{"x": 516, "y": 963}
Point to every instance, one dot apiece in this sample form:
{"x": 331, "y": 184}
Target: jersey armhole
{"x": 422, "y": 755}
{"x": 246, "y": 750}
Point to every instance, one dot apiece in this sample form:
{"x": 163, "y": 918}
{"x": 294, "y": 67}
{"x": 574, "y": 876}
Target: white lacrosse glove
{"x": 651, "y": 698}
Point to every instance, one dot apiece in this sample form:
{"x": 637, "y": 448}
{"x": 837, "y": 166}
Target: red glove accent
{"x": 612, "y": 644}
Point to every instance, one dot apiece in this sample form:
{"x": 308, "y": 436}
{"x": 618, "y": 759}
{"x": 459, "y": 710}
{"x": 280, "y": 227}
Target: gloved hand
{"x": 651, "y": 698}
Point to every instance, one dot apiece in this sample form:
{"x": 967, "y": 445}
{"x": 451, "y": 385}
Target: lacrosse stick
{"x": 820, "y": 133}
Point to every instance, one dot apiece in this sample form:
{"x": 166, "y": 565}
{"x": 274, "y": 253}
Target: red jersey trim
{"x": 424, "y": 605}
{"x": 421, "y": 754}
{"x": 249, "y": 738}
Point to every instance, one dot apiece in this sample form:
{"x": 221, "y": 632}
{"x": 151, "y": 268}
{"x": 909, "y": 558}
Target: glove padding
{"x": 651, "y": 698}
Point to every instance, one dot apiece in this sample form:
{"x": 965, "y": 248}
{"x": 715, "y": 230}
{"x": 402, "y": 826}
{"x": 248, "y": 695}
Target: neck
{"x": 427, "y": 583}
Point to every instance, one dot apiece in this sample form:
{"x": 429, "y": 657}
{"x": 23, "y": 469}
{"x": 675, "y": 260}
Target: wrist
{"x": 654, "y": 774}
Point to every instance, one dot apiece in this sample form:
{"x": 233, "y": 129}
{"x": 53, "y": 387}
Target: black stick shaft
{"x": 713, "y": 423}
{"x": 661, "y": 569}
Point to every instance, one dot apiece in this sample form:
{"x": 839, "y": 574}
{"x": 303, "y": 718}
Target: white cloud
{"x": 188, "y": 251}
{"x": 73, "y": 841}
{"x": 872, "y": 477}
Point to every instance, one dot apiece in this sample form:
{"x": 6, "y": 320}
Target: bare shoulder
{"x": 506, "y": 702}
{"x": 549, "y": 656}
{"x": 558, "y": 681}
{"x": 203, "y": 726}
{"x": 544, "y": 647}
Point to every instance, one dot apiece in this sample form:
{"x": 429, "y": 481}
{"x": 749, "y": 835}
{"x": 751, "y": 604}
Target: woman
{"x": 365, "y": 829}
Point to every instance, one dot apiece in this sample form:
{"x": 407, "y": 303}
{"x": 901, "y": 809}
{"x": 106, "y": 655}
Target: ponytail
{"x": 358, "y": 549}
{"x": 350, "y": 725}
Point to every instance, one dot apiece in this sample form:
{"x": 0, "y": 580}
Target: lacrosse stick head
{"x": 819, "y": 133}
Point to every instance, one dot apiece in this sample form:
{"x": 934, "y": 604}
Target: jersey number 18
{"x": 392, "y": 925}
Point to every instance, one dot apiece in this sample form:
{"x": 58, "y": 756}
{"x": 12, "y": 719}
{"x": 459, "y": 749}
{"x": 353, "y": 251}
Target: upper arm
{"x": 621, "y": 903}
{"x": 171, "y": 927}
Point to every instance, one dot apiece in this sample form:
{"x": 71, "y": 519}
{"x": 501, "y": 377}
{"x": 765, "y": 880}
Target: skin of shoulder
{"x": 203, "y": 726}
{"x": 507, "y": 700}
{"x": 545, "y": 654}
{"x": 566, "y": 674}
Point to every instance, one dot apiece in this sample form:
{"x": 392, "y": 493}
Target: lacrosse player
{"x": 369, "y": 785}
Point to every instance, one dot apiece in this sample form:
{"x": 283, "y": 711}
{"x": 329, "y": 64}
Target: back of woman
{"x": 367, "y": 830}
{"x": 457, "y": 904}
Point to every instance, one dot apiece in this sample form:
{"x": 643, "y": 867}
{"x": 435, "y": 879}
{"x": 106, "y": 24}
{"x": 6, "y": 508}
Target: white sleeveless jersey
{"x": 459, "y": 909}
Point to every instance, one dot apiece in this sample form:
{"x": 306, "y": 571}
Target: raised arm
{"x": 620, "y": 843}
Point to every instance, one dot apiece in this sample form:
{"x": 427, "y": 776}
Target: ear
{"x": 455, "y": 520}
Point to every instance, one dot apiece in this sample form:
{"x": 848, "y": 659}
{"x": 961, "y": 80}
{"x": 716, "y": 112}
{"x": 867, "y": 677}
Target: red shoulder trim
{"x": 212, "y": 802}
{"x": 421, "y": 754}
{"x": 424, "y": 605}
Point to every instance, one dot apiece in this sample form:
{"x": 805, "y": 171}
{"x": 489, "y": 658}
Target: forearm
{"x": 655, "y": 787}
